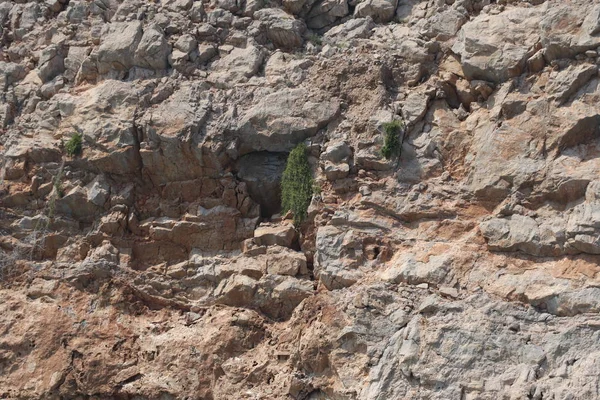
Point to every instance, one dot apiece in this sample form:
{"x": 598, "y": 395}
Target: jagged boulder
{"x": 334, "y": 264}
{"x": 380, "y": 11}
{"x": 502, "y": 52}
{"x": 282, "y": 29}
{"x": 11, "y": 73}
{"x": 569, "y": 30}
{"x": 236, "y": 67}
{"x": 270, "y": 235}
{"x": 51, "y": 63}
{"x": 567, "y": 82}
{"x": 572, "y": 232}
{"x": 444, "y": 25}
{"x": 318, "y": 14}
{"x": 352, "y": 29}
{"x": 119, "y": 43}
{"x": 152, "y": 50}
{"x": 282, "y": 119}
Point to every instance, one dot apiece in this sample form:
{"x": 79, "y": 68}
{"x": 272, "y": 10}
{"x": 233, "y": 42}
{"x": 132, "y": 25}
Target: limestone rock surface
{"x": 144, "y": 253}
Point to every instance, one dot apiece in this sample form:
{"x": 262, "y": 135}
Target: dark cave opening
{"x": 262, "y": 171}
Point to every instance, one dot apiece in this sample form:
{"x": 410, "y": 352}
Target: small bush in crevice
{"x": 391, "y": 144}
{"x": 317, "y": 189}
{"x": 74, "y": 145}
{"x": 297, "y": 184}
{"x": 315, "y": 39}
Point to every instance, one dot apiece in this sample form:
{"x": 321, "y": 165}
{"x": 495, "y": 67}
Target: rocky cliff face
{"x": 155, "y": 264}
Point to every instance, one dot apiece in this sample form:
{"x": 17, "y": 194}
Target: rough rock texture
{"x": 156, "y": 264}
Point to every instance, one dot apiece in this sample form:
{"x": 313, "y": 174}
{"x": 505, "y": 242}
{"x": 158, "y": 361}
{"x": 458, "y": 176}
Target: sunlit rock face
{"x": 154, "y": 261}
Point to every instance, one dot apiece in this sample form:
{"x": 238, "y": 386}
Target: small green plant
{"x": 315, "y": 39}
{"x": 297, "y": 184}
{"x": 74, "y": 145}
{"x": 317, "y": 189}
{"x": 391, "y": 144}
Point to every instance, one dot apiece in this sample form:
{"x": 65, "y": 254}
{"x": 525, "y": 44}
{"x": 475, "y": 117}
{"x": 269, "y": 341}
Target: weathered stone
{"x": 352, "y": 29}
{"x": 335, "y": 262}
{"x": 119, "y": 43}
{"x": 477, "y": 244}
{"x": 283, "y": 68}
{"x": 444, "y": 25}
{"x": 270, "y": 235}
{"x": 414, "y": 272}
{"x": 179, "y": 5}
{"x": 336, "y": 171}
{"x": 186, "y": 44}
{"x": 164, "y": 128}
{"x": 220, "y": 18}
{"x": 536, "y": 62}
{"x": 501, "y": 53}
{"x": 51, "y": 63}
{"x": 282, "y": 29}
{"x": 415, "y": 107}
{"x": 237, "y": 291}
{"x": 379, "y": 10}
{"x": 325, "y": 13}
{"x": 229, "y": 5}
{"x": 336, "y": 152}
{"x": 283, "y": 119}
{"x": 206, "y": 52}
{"x": 285, "y": 293}
{"x": 113, "y": 223}
{"x": 237, "y": 66}
{"x": 562, "y": 43}
{"x": 153, "y": 49}
{"x": 565, "y": 84}
{"x": 98, "y": 191}
{"x": 283, "y": 261}
{"x": 10, "y": 73}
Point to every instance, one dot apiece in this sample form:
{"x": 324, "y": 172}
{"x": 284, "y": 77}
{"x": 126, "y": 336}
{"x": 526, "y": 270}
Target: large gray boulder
{"x": 435, "y": 270}
{"x": 10, "y": 73}
{"x": 236, "y": 67}
{"x": 567, "y": 82}
{"x": 380, "y": 10}
{"x": 153, "y": 49}
{"x": 51, "y": 63}
{"x": 119, "y": 43}
{"x": 326, "y": 13}
{"x": 574, "y": 231}
{"x": 271, "y": 235}
{"x": 502, "y": 52}
{"x": 352, "y": 29}
{"x": 73, "y": 61}
{"x": 444, "y": 25}
{"x": 569, "y": 29}
{"x": 282, "y": 28}
{"x": 104, "y": 116}
{"x": 336, "y": 262}
{"x": 172, "y": 130}
{"x": 282, "y": 119}
{"x": 514, "y": 233}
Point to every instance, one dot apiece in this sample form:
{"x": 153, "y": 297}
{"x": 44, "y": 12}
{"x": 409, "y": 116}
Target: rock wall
{"x": 156, "y": 265}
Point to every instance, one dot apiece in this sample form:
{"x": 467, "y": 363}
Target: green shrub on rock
{"x": 297, "y": 184}
{"x": 391, "y": 144}
{"x": 315, "y": 39}
{"x": 74, "y": 145}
